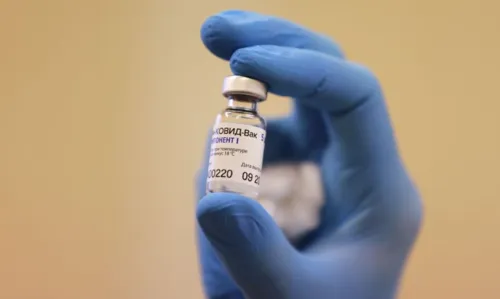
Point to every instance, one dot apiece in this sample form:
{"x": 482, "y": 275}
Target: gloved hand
{"x": 372, "y": 211}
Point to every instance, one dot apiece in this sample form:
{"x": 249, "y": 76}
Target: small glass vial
{"x": 238, "y": 138}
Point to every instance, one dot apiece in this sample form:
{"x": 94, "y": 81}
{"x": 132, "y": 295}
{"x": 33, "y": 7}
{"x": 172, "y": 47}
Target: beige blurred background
{"x": 104, "y": 107}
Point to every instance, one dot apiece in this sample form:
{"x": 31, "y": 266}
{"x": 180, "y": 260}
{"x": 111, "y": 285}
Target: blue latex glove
{"x": 372, "y": 213}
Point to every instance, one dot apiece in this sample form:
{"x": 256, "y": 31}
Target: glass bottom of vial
{"x": 233, "y": 187}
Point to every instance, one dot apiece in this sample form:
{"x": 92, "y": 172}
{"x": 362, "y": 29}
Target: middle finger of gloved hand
{"x": 348, "y": 96}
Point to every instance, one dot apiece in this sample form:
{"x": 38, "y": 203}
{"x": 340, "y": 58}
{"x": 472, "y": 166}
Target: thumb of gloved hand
{"x": 249, "y": 243}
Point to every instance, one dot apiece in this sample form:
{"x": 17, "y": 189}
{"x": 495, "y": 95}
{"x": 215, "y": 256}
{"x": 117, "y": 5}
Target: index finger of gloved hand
{"x": 347, "y": 95}
{"x": 228, "y": 31}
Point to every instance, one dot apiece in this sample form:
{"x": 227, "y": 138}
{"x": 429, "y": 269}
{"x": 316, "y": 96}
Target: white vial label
{"x": 236, "y": 154}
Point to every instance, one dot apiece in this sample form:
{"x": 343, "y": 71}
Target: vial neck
{"x": 242, "y": 102}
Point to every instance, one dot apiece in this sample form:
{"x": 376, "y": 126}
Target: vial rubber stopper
{"x": 244, "y": 86}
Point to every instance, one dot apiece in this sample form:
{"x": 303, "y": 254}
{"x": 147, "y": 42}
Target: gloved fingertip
{"x": 218, "y": 36}
{"x": 248, "y": 242}
{"x": 252, "y": 59}
{"x": 212, "y": 203}
{"x": 240, "y": 60}
{"x": 274, "y": 65}
{"x": 230, "y": 219}
{"x": 255, "y": 62}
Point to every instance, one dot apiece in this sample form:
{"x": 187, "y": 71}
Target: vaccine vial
{"x": 238, "y": 138}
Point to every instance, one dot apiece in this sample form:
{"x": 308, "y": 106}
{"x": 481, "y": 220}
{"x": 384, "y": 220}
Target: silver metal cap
{"x": 244, "y": 86}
